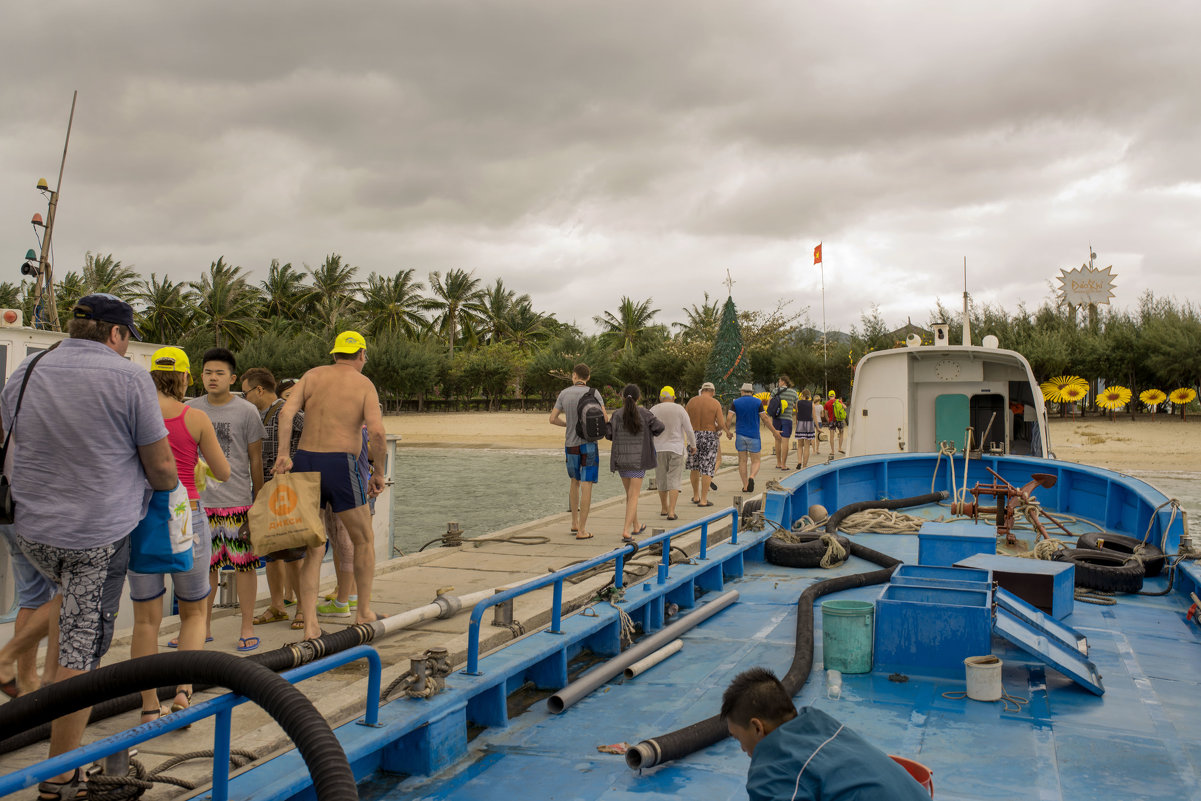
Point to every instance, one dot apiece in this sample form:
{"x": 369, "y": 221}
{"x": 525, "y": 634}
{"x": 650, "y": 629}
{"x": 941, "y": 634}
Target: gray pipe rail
{"x": 595, "y": 678}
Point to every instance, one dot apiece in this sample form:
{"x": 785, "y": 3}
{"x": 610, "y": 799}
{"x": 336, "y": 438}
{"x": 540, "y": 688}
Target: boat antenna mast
{"x": 967, "y": 322}
{"x": 45, "y": 306}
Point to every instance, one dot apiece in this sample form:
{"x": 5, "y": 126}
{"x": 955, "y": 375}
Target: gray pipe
{"x": 595, "y": 678}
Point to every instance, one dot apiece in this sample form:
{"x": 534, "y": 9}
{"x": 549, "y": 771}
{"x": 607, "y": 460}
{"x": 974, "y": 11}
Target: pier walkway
{"x": 405, "y": 583}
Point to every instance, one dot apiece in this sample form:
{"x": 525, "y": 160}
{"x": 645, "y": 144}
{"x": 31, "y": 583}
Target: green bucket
{"x": 847, "y": 635}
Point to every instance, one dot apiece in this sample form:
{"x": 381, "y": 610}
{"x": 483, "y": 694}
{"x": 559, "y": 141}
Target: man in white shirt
{"x": 669, "y": 449}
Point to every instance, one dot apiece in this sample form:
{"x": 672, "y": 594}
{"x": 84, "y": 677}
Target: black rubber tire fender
{"x": 806, "y": 553}
{"x": 1152, "y": 556}
{"x": 1103, "y": 570}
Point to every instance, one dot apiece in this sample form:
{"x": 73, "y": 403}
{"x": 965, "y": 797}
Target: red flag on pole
{"x": 817, "y": 254}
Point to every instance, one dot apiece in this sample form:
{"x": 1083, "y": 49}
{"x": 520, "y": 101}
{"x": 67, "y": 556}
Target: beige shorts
{"x": 669, "y": 467}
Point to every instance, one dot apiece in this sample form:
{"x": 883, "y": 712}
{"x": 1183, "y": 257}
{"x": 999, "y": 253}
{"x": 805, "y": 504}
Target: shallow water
{"x": 482, "y": 490}
{"x": 486, "y": 490}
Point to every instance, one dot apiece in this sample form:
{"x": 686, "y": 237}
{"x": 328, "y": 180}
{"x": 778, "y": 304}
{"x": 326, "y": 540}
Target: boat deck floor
{"x": 1138, "y": 741}
{"x": 402, "y": 584}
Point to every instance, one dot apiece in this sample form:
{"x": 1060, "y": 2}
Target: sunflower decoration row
{"x": 1072, "y": 389}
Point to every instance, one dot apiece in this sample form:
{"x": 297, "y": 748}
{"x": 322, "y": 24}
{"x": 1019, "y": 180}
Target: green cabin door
{"x": 952, "y": 414}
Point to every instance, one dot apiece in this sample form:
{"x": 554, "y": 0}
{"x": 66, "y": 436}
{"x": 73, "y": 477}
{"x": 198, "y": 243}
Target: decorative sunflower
{"x": 763, "y": 398}
{"x": 1152, "y": 398}
{"x": 1182, "y": 397}
{"x": 1074, "y": 392}
{"x": 1114, "y": 398}
{"x": 1053, "y": 389}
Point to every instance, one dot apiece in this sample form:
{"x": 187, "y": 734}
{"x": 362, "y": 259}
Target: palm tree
{"x": 106, "y": 274}
{"x": 67, "y": 290}
{"x": 165, "y": 314}
{"x": 453, "y": 297}
{"x": 225, "y": 304}
{"x": 394, "y": 304}
{"x": 335, "y": 292}
{"x": 10, "y": 295}
{"x": 523, "y": 327}
{"x": 284, "y": 291}
{"x": 491, "y": 307}
{"x": 631, "y": 322}
{"x": 702, "y": 322}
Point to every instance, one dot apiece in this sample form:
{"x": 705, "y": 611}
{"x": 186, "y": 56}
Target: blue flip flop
{"x": 244, "y": 643}
{"x": 175, "y": 643}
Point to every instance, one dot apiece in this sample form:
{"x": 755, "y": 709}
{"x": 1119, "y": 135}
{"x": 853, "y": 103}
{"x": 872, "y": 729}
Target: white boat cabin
{"x": 916, "y": 398}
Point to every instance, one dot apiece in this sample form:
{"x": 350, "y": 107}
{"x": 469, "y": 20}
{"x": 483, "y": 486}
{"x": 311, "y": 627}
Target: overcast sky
{"x": 587, "y": 150}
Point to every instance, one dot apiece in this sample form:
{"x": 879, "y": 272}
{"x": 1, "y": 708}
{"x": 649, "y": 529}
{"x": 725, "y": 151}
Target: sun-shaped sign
{"x": 1086, "y": 285}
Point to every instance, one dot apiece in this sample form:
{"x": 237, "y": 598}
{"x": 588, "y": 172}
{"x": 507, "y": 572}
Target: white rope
{"x": 835, "y": 554}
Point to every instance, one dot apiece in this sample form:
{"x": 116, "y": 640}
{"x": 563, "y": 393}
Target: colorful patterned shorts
{"x": 231, "y": 539}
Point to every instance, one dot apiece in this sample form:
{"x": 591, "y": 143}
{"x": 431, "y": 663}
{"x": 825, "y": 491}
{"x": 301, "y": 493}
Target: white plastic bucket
{"x": 983, "y": 678}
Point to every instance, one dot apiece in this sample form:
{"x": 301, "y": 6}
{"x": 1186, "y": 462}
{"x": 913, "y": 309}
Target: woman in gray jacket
{"x": 632, "y": 429}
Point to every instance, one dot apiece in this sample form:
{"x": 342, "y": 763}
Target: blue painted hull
{"x": 1137, "y": 741}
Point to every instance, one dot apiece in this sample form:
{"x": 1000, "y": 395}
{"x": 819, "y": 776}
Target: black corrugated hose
{"x": 332, "y": 777}
{"x": 682, "y": 742}
{"x": 285, "y": 658}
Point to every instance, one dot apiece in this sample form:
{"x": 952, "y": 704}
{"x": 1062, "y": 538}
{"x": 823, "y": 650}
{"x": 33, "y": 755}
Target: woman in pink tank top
{"x": 190, "y": 434}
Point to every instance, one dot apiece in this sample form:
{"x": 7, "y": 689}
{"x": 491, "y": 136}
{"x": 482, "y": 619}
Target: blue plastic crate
{"x": 952, "y": 578}
{"x": 930, "y": 630}
{"x": 947, "y": 543}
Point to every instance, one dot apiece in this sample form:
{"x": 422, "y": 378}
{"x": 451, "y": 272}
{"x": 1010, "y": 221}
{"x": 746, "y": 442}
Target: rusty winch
{"x": 1009, "y": 499}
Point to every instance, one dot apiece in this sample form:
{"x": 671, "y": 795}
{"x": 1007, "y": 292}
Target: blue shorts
{"x": 583, "y": 462}
{"x": 32, "y": 588}
{"x": 341, "y": 485}
{"x": 783, "y": 425}
{"x": 748, "y": 444}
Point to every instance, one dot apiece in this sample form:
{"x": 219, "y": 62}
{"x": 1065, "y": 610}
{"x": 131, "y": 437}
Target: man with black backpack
{"x": 581, "y": 410}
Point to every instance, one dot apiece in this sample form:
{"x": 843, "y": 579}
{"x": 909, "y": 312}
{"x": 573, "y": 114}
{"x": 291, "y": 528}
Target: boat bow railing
{"x": 617, "y": 556}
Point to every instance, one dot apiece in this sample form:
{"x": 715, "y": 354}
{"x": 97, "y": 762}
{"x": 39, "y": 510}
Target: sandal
{"x": 73, "y": 788}
{"x": 270, "y": 615}
{"x": 156, "y": 713}
{"x": 298, "y": 622}
{"x": 178, "y": 707}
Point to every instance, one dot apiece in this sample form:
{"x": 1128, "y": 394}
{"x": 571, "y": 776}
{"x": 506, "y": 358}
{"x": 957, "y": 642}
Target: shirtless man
{"x": 337, "y": 400}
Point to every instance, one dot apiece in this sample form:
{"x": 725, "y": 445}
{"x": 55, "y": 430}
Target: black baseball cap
{"x": 107, "y": 308}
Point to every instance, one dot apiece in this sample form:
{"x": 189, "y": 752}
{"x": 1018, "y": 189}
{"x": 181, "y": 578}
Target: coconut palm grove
{"x": 460, "y": 340}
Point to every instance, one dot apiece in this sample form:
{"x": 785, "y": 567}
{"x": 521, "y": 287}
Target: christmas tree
{"x": 729, "y": 364}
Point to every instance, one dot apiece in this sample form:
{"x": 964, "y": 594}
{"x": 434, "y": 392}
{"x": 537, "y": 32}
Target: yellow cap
{"x": 349, "y": 342}
{"x": 831, "y": 393}
{"x": 667, "y": 392}
{"x": 170, "y": 360}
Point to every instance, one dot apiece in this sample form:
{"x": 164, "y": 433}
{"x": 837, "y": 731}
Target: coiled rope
{"x": 138, "y": 781}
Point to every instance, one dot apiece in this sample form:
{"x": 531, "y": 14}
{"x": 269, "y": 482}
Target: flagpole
{"x": 825, "y": 329}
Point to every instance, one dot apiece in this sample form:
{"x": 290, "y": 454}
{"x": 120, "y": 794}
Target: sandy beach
{"x": 1163, "y": 444}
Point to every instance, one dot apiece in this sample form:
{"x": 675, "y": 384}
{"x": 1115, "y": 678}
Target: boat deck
{"x": 1138, "y": 741}
{"x": 402, "y": 584}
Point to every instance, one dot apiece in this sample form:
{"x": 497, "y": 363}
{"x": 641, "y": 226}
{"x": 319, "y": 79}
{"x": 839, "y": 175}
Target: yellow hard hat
{"x": 667, "y": 392}
{"x": 170, "y": 360}
{"x": 349, "y": 342}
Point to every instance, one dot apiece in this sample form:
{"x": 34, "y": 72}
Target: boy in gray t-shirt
{"x": 240, "y": 431}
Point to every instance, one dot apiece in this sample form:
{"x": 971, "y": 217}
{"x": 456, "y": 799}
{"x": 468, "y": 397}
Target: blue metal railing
{"x": 221, "y": 708}
{"x": 559, "y": 576}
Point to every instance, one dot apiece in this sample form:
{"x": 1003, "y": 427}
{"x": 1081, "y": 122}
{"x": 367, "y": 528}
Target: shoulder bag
{"x": 8, "y": 507}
